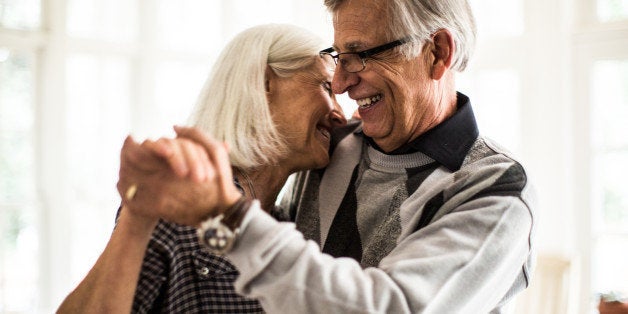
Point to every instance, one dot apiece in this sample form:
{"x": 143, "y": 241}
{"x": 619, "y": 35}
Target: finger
{"x": 171, "y": 152}
{"x": 135, "y": 156}
{"x": 218, "y": 155}
{"x": 196, "y": 159}
{"x": 132, "y": 159}
{"x": 129, "y": 149}
{"x": 223, "y": 165}
{"x": 206, "y": 166}
{"x": 209, "y": 144}
{"x": 161, "y": 149}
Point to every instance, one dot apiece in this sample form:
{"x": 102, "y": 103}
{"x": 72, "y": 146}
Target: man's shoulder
{"x": 339, "y": 133}
{"x": 490, "y": 161}
{"x": 487, "y": 151}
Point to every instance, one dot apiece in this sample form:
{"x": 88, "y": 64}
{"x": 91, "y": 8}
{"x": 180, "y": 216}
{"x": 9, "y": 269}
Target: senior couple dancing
{"x": 407, "y": 209}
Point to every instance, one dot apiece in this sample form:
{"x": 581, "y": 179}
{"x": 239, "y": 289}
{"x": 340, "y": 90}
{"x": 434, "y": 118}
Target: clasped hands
{"x": 183, "y": 180}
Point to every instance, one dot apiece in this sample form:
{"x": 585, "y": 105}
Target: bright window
{"x": 610, "y": 166}
{"x": 113, "y": 20}
{"x": 98, "y": 100}
{"x": 111, "y": 68}
{"x": 190, "y": 25}
{"x": 19, "y": 234}
{"x": 499, "y": 18}
{"x": 496, "y": 104}
{"x": 20, "y": 14}
{"x": 612, "y": 10}
{"x": 175, "y": 98}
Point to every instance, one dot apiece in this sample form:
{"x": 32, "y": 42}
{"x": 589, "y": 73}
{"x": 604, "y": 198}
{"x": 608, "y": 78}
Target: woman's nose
{"x": 337, "y": 118}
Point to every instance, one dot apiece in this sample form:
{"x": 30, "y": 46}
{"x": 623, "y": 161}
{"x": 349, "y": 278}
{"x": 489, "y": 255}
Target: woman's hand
{"x": 183, "y": 180}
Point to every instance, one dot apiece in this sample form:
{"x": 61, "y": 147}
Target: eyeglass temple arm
{"x": 326, "y": 51}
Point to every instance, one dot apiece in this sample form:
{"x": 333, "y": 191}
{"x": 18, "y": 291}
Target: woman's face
{"x": 304, "y": 110}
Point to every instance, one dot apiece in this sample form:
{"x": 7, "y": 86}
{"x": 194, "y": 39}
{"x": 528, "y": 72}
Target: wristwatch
{"x": 219, "y": 233}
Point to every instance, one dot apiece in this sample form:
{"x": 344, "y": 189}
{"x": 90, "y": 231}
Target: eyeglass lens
{"x": 351, "y": 62}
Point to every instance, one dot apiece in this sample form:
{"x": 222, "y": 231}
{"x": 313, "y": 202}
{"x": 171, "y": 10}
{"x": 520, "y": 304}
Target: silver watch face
{"x": 216, "y": 236}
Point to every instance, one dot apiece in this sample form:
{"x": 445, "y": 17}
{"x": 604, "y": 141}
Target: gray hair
{"x": 421, "y": 18}
{"x": 232, "y": 106}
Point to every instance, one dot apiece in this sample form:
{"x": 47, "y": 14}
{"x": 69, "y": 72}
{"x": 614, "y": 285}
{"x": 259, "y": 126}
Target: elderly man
{"x": 415, "y": 213}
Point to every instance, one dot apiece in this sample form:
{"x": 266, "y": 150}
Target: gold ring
{"x": 130, "y": 192}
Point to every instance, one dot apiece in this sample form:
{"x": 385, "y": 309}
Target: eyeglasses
{"x": 353, "y": 62}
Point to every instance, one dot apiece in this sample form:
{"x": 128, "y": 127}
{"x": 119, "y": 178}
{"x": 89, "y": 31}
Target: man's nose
{"x": 343, "y": 80}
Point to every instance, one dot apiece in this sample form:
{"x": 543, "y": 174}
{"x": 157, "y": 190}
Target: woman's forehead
{"x": 324, "y": 67}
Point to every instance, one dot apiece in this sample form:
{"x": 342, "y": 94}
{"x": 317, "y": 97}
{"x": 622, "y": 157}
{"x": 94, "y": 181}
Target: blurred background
{"x": 549, "y": 80}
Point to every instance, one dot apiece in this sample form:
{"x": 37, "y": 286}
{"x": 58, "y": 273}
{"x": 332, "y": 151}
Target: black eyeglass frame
{"x": 364, "y": 54}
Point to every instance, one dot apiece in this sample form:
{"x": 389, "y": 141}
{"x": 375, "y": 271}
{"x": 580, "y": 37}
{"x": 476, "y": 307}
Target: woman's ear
{"x": 269, "y": 77}
{"x": 443, "y": 49}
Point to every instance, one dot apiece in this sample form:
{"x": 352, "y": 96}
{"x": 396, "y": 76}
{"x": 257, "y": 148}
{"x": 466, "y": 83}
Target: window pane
{"x": 499, "y": 18}
{"x": 610, "y": 258}
{"x": 612, "y": 10}
{"x": 20, "y": 14}
{"x": 495, "y": 98}
{"x": 18, "y": 225}
{"x": 609, "y": 109}
{"x": 611, "y": 170}
{"x": 98, "y": 102}
{"x": 610, "y": 143}
{"x": 190, "y": 25}
{"x": 610, "y": 105}
{"x": 246, "y": 13}
{"x": 177, "y": 86}
{"x": 113, "y": 20}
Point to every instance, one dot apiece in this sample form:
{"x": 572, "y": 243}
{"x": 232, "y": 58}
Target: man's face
{"x": 394, "y": 95}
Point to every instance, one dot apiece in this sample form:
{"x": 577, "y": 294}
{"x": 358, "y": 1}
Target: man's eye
{"x": 327, "y": 86}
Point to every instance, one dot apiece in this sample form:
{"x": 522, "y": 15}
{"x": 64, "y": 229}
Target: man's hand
{"x": 183, "y": 180}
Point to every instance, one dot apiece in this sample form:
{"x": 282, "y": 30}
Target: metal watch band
{"x": 219, "y": 233}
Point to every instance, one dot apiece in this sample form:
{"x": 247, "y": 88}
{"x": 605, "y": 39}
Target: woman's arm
{"x": 109, "y": 286}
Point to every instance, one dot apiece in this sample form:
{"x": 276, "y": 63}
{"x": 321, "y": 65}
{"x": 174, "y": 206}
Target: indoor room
{"x": 548, "y": 80}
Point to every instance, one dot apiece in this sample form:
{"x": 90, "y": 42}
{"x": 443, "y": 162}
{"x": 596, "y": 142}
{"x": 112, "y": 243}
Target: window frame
{"x": 590, "y": 47}
{"x": 592, "y": 41}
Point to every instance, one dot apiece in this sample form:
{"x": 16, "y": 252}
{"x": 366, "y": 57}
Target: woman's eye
{"x": 327, "y": 86}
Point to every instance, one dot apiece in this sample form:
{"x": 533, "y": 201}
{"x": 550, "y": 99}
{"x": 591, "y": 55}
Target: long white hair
{"x": 232, "y": 106}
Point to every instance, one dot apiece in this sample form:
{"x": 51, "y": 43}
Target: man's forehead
{"x": 350, "y": 46}
{"x": 357, "y": 35}
{"x": 358, "y": 26}
{"x": 358, "y": 42}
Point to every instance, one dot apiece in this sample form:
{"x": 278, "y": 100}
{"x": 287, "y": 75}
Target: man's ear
{"x": 443, "y": 49}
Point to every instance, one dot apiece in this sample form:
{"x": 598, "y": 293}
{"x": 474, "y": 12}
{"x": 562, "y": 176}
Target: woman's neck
{"x": 265, "y": 182}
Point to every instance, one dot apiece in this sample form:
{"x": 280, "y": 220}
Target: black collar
{"x": 449, "y": 142}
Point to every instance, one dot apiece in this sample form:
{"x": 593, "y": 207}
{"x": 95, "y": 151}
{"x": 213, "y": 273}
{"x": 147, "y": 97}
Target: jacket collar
{"x": 449, "y": 142}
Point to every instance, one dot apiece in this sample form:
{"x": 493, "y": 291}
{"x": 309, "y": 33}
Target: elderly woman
{"x": 269, "y": 100}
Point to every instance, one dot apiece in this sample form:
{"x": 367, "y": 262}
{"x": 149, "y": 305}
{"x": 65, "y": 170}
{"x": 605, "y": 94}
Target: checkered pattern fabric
{"x": 179, "y": 276}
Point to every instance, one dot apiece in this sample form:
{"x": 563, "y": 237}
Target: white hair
{"x": 232, "y": 106}
{"x": 421, "y": 18}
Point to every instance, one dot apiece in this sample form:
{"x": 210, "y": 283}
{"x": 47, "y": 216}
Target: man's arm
{"x": 448, "y": 267}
